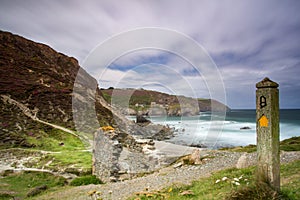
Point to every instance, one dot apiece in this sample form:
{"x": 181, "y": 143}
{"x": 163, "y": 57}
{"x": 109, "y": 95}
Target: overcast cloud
{"x": 247, "y": 40}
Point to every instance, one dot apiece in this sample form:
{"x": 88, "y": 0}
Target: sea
{"x": 235, "y": 128}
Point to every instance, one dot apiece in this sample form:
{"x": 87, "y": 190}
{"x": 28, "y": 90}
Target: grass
{"x": 56, "y": 140}
{"x": 81, "y": 160}
{"x": 85, "y": 180}
{"x": 291, "y": 144}
{"x": 19, "y": 184}
{"x": 237, "y": 181}
{"x": 65, "y": 152}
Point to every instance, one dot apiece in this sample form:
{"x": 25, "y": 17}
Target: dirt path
{"x": 32, "y": 114}
{"x": 164, "y": 178}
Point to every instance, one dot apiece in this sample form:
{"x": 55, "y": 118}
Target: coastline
{"x": 239, "y": 128}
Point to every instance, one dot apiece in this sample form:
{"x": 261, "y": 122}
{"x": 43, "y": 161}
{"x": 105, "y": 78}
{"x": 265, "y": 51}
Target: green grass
{"x": 214, "y": 187}
{"x": 290, "y": 175}
{"x": 291, "y": 144}
{"x": 52, "y": 140}
{"x": 106, "y": 96}
{"x": 70, "y": 157}
{"x": 77, "y": 159}
{"x": 85, "y": 180}
{"x": 67, "y": 152}
{"x": 76, "y": 162}
{"x": 19, "y": 184}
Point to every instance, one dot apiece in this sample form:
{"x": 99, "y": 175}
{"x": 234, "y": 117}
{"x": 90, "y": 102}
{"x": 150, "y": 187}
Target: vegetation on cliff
{"x": 39, "y": 81}
{"x": 131, "y": 101}
{"x": 290, "y": 144}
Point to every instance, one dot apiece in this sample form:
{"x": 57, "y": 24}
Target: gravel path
{"x": 165, "y": 177}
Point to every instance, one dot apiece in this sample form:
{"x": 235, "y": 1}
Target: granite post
{"x": 267, "y": 129}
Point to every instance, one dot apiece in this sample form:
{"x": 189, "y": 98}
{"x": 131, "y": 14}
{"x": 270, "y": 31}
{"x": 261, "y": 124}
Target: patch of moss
{"x": 85, "y": 180}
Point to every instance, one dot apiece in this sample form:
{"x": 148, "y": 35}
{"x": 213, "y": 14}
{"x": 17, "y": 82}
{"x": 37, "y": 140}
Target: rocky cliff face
{"x": 41, "y": 89}
{"x": 36, "y": 83}
{"x": 133, "y": 101}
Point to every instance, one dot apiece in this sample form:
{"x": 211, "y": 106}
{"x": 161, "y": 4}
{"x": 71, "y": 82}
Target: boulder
{"x": 142, "y": 119}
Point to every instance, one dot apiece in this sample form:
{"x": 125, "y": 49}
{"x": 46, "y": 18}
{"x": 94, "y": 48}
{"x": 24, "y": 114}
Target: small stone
{"x": 177, "y": 165}
{"x": 150, "y": 147}
{"x": 187, "y": 193}
{"x": 195, "y": 157}
{"x": 243, "y": 162}
{"x": 224, "y": 178}
{"x": 237, "y": 183}
{"x": 151, "y": 142}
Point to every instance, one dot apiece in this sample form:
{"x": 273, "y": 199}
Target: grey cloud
{"x": 247, "y": 39}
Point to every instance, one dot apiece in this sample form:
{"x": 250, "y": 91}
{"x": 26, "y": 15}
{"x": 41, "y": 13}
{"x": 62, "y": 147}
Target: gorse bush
{"x": 86, "y": 180}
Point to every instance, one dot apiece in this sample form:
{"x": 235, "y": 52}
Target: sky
{"x": 241, "y": 42}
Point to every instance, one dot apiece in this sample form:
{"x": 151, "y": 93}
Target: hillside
{"x": 42, "y": 90}
{"x": 131, "y": 101}
{"x": 36, "y": 86}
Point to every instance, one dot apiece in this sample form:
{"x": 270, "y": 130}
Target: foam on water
{"x": 200, "y": 130}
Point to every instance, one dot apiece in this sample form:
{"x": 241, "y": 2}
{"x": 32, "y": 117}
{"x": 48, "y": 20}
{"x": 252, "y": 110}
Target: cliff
{"x": 41, "y": 90}
{"x": 132, "y": 101}
{"x": 36, "y": 86}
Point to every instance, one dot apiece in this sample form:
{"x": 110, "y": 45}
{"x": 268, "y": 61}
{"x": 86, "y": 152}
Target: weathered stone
{"x": 195, "y": 157}
{"x": 178, "y": 165}
{"x": 243, "y": 162}
{"x": 267, "y": 128}
{"x": 119, "y": 156}
{"x": 141, "y": 119}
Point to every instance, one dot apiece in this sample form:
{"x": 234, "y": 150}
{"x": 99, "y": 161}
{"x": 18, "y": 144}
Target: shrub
{"x": 86, "y": 180}
{"x": 260, "y": 191}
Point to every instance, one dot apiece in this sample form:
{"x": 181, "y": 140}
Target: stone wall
{"x": 106, "y": 153}
{"x": 118, "y": 156}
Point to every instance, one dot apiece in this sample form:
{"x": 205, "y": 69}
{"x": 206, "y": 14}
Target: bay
{"x": 238, "y": 128}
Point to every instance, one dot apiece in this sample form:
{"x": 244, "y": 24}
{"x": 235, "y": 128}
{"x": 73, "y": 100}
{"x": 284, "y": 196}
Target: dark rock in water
{"x": 142, "y": 119}
{"x": 245, "y": 128}
{"x": 198, "y": 145}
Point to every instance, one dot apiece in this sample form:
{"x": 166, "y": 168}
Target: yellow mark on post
{"x": 263, "y": 121}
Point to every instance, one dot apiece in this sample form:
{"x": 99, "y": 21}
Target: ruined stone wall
{"x": 106, "y": 153}
{"x": 118, "y": 156}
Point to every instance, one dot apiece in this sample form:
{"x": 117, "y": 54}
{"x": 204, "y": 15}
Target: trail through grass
{"x": 223, "y": 184}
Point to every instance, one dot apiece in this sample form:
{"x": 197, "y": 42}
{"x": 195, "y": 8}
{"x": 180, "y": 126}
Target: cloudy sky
{"x": 243, "y": 41}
